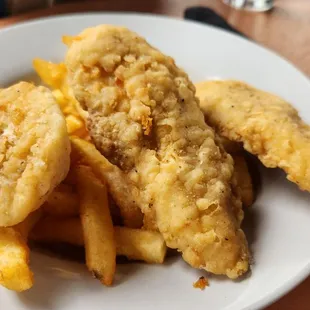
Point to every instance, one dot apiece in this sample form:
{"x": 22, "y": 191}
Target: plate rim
{"x": 304, "y": 272}
{"x": 283, "y": 290}
{"x": 177, "y": 19}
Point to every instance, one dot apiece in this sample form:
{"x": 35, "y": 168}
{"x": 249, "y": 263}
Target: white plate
{"x": 278, "y": 224}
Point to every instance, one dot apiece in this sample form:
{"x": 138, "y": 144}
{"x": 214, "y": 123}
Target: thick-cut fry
{"x": 50, "y": 73}
{"x": 63, "y": 202}
{"x": 15, "y": 273}
{"x": 97, "y": 226}
{"x": 73, "y": 123}
{"x": 136, "y": 244}
{"x": 244, "y": 181}
{"x": 67, "y": 40}
{"x": 121, "y": 189}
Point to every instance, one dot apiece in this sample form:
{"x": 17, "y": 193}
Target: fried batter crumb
{"x": 201, "y": 283}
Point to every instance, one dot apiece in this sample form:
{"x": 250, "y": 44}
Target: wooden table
{"x": 286, "y": 30}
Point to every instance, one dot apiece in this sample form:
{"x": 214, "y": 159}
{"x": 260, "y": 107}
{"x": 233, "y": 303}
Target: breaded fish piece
{"x": 267, "y": 126}
{"x": 144, "y": 117}
{"x": 34, "y": 150}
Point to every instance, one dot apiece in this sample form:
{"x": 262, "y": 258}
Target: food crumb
{"x": 201, "y": 283}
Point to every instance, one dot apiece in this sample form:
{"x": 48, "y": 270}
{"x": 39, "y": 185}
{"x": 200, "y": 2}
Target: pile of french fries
{"x": 80, "y": 211}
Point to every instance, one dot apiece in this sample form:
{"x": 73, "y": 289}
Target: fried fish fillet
{"x": 34, "y": 150}
{"x": 267, "y": 126}
{"x": 144, "y": 117}
{"x": 242, "y": 180}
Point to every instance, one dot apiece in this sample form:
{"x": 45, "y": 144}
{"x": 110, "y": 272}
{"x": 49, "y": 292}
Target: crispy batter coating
{"x": 268, "y": 126}
{"x": 34, "y": 150}
{"x": 144, "y": 117}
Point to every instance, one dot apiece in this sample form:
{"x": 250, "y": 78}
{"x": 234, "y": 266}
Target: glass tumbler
{"x": 251, "y": 5}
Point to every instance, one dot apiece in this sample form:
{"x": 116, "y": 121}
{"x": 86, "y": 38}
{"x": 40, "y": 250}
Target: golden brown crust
{"x": 34, "y": 150}
{"x": 182, "y": 175}
{"x": 267, "y": 126}
{"x": 15, "y": 273}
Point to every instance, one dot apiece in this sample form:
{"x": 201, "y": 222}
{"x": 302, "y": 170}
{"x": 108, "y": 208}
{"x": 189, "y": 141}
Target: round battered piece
{"x": 34, "y": 150}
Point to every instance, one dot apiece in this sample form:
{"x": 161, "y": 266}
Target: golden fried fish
{"x": 144, "y": 117}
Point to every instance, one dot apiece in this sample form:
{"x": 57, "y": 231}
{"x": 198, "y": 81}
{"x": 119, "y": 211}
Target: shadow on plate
{"x": 53, "y": 278}
{"x": 63, "y": 269}
{"x": 30, "y": 77}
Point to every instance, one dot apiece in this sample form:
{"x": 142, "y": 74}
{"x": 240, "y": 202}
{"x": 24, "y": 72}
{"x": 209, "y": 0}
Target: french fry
{"x": 54, "y": 75}
{"x": 97, "y": 226}
{"x": 15, "y": 273}
{"x": 123, "y": 192}
{"x": 135, "y": 244}
{"x": 115, "y": 212}
{"x": 74, "y": 123}
{"x": 50, "y": 73}
{"x": 63, "y": 202}
{"x": 68, "y": 40}
{"x": 60, "y": 98}
{"x": 82, "y": 113}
